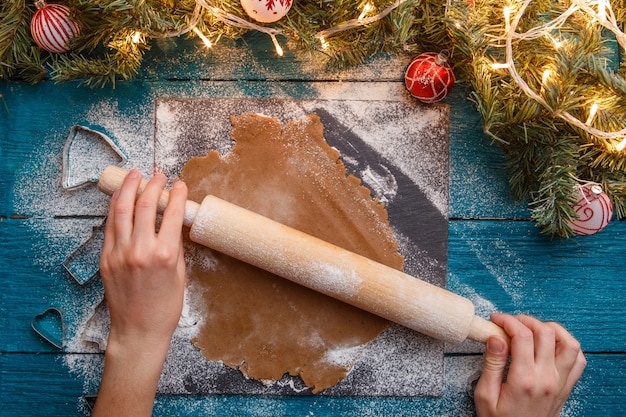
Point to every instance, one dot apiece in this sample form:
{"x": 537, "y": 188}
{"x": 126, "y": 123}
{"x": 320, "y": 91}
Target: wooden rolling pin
{"x": 326, "y": 268}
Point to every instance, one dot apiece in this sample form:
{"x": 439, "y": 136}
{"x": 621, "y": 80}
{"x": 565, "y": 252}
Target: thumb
{"x": 490, "y": 382}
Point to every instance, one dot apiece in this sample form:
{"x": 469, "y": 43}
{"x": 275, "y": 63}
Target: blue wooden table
{"x": 497, "y": 257}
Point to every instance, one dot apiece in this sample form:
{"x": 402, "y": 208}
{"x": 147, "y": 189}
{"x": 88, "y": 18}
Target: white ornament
{"x": 593, "y": 208}
{"x": 266, "y": 11}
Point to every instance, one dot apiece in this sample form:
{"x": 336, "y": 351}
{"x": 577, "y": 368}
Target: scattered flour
{"x": 384, "y": 187}
{"x": 344, "y": 356}
{"x": 509, "y": 275}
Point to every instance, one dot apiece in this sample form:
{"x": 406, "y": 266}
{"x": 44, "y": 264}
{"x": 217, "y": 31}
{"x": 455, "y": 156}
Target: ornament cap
{"x": 442, "y": 57}
{"x": 596, "y": 189}
{"x": 40, "y": 4}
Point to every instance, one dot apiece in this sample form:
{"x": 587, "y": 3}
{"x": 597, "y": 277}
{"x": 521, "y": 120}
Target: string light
{"x": 602, "y": 10}
{"x": 546, "y": 76}
{"x": 557, "y": 44}
{"x": 237, "y": 21}
{"x": 323, "y": 42}
{"x": 620, "y": 146}
{"x": 510, "y": 34}
{"x": 507, "y": 17}
{"x": 279, "y": 49}
{"x": 360, "y": 22}
{"x": 230, "y": 19}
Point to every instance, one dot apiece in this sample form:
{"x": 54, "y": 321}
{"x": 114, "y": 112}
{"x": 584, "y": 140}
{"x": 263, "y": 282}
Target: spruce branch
{"x": 539, "y": 111}
{"x": 536, "y": 72}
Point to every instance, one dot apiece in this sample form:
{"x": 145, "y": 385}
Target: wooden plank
{"x": 509, "y": 266}
{"x": 33, "y": 279}
{"x": 478, "y": 181}
{"x": 254, "y": 58}
{"x": 39, "y": 385}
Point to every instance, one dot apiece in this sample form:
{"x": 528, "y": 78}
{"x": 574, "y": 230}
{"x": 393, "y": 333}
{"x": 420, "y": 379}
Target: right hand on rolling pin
{"x": 546, "y": 363}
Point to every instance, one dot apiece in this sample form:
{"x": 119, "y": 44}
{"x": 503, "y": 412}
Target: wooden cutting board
{"x": 400, "y": 150}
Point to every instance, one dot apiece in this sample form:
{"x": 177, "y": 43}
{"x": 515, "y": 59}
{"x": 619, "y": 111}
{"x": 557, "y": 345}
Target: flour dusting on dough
{"x": 289, "y": 174}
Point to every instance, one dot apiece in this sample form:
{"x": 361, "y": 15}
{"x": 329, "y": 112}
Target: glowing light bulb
{"x": 602, "y": 10}
{"x": 279, "y": 49}
{"x": 498, "y": 65}
{"x": 366, "y": 9}
{"x": 136, "y": 38}
{"x": 546, "y": 76}
{"x": 204, "y": 39}
{"x": 557, "y": 43}
{"x": 620, "y": 146}
{"x": 592, "y": 113}
{"x": 323, "y": 43}
{"x": 507, "y": 16}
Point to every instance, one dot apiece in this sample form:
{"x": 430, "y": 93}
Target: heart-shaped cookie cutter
{"x": 49, "y": 325}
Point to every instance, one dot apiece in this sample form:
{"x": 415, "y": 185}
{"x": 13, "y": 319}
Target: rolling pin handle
{"x": 112, "y": 179}
{"x": 481, "y": 329}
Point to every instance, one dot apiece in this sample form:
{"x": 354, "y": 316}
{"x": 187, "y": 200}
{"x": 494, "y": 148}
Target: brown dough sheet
{"x": 255, "y": 321}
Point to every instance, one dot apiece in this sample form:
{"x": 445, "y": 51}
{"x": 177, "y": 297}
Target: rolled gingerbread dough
{"x": 259, "y": 323}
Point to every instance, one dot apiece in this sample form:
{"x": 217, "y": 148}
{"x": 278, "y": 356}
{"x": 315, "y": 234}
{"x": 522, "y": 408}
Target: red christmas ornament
{"x": 593, "y": 208}
{"x": 51, "y": 27}
{"x": 429, "y": 78}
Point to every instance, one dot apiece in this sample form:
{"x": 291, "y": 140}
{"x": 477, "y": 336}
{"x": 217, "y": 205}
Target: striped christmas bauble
{"x": 51, "y": 27}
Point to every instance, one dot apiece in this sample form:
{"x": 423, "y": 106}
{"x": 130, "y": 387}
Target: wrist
{"x": 149, "y": 352}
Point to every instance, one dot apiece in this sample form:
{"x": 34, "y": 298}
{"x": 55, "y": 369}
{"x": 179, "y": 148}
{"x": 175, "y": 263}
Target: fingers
{"x": 544, "y": 339}
{"x": 544, "y": 346}
{"x": 174, "y": 214}
{"x": 490, "y": 383}
{"x": 146, "y": 208}
{"x": 577, "y": 370}
{"x": 132, "y": 217}
{"x": 546, "y": 363}
{"x": 569, "y": 356}
{"x": 124, "y": 207}
{"x": 522, "y": 341}
{"x": 109, "y": 229}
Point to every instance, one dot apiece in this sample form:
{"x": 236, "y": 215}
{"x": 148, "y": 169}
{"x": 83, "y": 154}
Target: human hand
{"x": 143, "y": 271}
{"x": 546, "y": 363}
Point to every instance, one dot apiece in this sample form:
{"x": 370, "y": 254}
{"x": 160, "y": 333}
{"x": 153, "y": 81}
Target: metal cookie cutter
{"x": 86, "y": 154}
{"x": 84, "y": 263}
{"x": 49, "y": 325}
